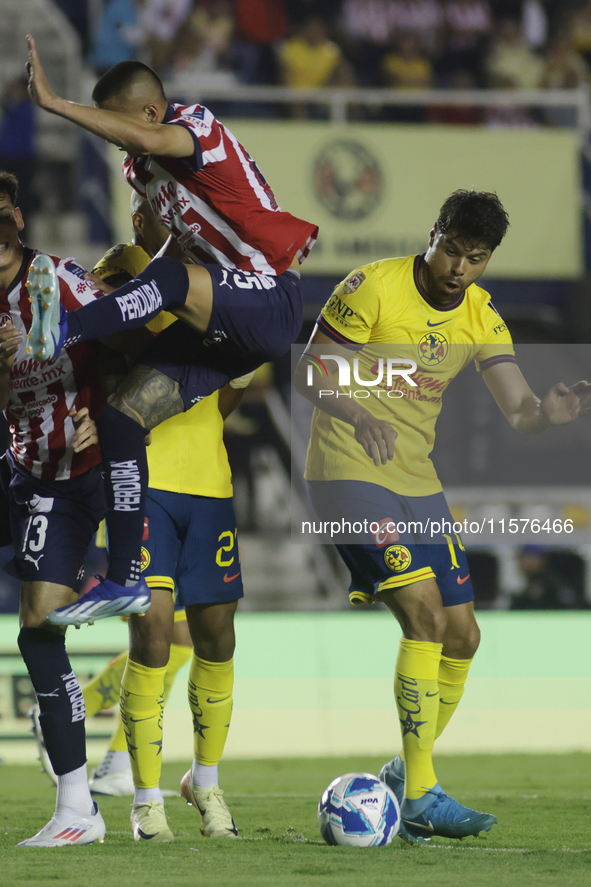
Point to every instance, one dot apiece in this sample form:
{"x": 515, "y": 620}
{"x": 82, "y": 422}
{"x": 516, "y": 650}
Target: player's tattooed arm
{"x": 148, "y": 396}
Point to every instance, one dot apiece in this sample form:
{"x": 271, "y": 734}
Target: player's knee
{"x": 424, "y": 623}
{"x": 34, "y": 613}
{"x": 215, "y": 648}
{"x": 150, "y": 650}
{"x": 463, "y": 644}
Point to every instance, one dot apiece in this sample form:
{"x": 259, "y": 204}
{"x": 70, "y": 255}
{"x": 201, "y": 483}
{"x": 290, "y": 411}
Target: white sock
{"x": 113, "y": 762}
{"x": 143, "y": 795}
{"x": 203, "y": 775}
{"x": 72, "y": 791}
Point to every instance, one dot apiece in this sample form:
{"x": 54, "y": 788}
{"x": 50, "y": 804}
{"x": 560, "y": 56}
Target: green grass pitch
{"x": 543, "y": 837}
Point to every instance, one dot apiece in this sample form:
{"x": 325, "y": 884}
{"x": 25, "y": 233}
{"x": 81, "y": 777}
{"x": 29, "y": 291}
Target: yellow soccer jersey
{"x": 187, "y": 453}
{"x": 380, "y": 312}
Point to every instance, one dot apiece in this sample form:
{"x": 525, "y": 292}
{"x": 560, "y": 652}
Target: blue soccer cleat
{"x": 392, "y": 774}
{"x": 104, "y": 600}
{"x": 445, "y": 817}
{"x": 46, "y": 337}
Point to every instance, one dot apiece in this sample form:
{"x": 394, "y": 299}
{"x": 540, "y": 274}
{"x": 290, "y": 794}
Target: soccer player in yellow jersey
{"x": 189, "y": 545}
{"x": 406, "y": 327}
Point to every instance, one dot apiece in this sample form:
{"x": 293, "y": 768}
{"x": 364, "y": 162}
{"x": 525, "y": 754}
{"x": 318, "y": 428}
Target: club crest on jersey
{"x": 397, "y": 558}
{"x": 145, "y": 559}
{"x": 433, "y": 348}
{"x": 353, "y": 283}
{"x": 4, "y": 319}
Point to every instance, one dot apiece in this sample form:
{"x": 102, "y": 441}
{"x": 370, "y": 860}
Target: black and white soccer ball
{"x": 358, "y": 810}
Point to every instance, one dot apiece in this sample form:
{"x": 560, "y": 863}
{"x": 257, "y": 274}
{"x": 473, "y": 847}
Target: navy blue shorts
{"x": 190, "y": 546}
{"x": 52, "y": 524}
{"x": 386, "y": 558}
{"x": 255, "y": 318}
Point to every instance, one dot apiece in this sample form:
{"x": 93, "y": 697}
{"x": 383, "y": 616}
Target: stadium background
{"x": 402, "y": 102}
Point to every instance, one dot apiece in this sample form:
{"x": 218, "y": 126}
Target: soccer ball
{"x": 358, "y": 810}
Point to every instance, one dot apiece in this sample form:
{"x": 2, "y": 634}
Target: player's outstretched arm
{"x": 136, "y": 136}
{"x": 526, "y": 412}
{"x": 375, "y": 436}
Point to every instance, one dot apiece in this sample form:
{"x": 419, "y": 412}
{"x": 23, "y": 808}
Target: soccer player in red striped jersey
{"x": 239, "y": 310}
{"x": 56, "y": 500}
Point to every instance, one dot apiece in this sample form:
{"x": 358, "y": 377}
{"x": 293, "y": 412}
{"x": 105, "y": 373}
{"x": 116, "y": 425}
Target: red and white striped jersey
{"x": 41, "y": 393}
{"x": 216, "y": 203}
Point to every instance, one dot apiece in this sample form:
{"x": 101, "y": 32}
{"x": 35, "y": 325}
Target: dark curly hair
{"x": 9, "y": 185}
{"x": 478, "y": 218}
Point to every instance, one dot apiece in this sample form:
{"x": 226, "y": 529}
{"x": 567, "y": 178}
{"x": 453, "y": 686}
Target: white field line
{"x": 300, "y": 839}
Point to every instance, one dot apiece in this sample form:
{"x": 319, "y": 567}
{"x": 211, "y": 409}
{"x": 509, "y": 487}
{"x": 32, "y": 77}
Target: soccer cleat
{"x": 216, "y": 819}
{"x": 67, "y": 828}
{"x": 104, "y": 600}
{"x": 40, "y": 743}
{"x": 447, "y": 818}
{"x": 395, "y": 781}
{"x": 48, "y": 325}
{"x": 148, "y": 823}
{"x": 118, "y": 785}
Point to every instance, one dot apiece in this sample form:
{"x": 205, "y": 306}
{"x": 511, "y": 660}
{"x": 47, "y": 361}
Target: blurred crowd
{"x": 407, "y": 44}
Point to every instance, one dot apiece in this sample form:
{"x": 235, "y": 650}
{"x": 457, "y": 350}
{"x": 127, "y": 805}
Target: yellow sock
{"x": 416, "y": 691}
{"x": 118, "y": 739}
{"x": 178, "y": 656}
{"x": 142, "y": 690}
{"x": 103, "y": 690}
{"x": 452, "y": 680}
{"x": 210, "y": 700}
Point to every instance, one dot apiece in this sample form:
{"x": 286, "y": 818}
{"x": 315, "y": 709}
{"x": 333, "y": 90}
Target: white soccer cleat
{"x": 118, "y": 785}
{"x": 46, "y": 765}
{"x": 148, "y": 823}
{"x": 68, "y": 828}
{"x": 216, "y": 819}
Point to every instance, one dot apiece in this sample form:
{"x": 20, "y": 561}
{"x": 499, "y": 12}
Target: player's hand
{"x": 376, "y": 437}
{"x": 39, "y": 89}
{"x": 86, "y": 434}
{"x": 10, "y": 339}
{"x": 562, "y": 405}
{"x": 98, "y": 283}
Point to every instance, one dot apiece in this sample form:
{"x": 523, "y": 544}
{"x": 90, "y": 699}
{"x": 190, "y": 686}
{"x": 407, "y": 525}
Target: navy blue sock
{"x": 125, "y": 465}
{"x": 61, "y": 703}
{"x": 163, "y": 284}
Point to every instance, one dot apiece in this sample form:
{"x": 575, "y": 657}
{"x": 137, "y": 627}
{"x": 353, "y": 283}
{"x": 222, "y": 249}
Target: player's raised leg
{"x": 211, "y": 682}
{"x": 145, "y": 398}
{"x": 248, "y": 326}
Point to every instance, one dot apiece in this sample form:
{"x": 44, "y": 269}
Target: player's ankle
{"x": 145, "y": 795}
{"x": 204, "y": 775}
